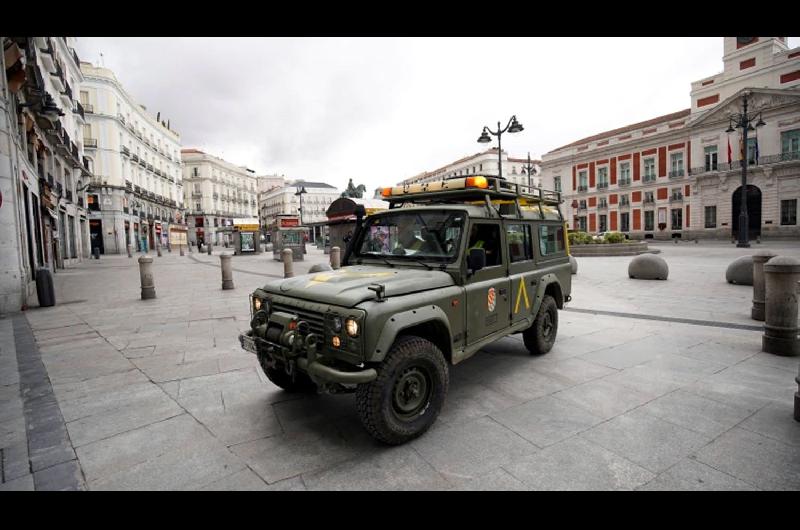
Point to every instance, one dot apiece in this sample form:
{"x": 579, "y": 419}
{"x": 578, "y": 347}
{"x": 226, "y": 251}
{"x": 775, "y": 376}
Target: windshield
{"x": 421, "y": 235}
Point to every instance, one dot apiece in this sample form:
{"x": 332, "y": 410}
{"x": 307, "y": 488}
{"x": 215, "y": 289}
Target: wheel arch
{"x": 427, "y": 322}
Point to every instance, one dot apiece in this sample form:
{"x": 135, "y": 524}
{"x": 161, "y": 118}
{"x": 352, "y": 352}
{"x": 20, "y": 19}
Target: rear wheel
{"x": 540, "y": 337}
{"x": 297, "y": 382}
{"x": 408, "y": 394}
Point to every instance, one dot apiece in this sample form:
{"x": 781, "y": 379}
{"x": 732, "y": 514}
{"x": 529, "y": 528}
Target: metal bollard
{"x": 781, "y": 275}
{"x": 190, "y": 248}
{"x": 129, "y": 252}
{"x": 158, "y": 250}
{"x": 227, "y": 270}
{"x": 146, "y": 275}
{"x": 797, "y": 394}
{"x": 181, "y": 247}
{"x": 288, "y": 265}
{"x": 209, "y": 249}
{"x": 96, "y": 252}
{"x": 336, "y": 257}
{"x": 759, "y": 259}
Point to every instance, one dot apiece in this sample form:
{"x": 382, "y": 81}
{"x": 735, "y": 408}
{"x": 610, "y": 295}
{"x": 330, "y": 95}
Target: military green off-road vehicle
{"x": 450, "y": 267}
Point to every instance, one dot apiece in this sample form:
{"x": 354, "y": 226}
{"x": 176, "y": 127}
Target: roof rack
{"x": 468, "y": 189}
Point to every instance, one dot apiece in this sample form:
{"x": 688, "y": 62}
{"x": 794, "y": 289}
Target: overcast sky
{"x": 383, "y": 109}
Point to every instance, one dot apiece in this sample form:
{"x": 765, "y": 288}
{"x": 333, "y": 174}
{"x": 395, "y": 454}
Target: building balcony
{"x": 150, "y": 167}
{"x": 88, "y": 108}
{"x": 125, "y": 151}
{"x": 90, "y": 143}
{"x": 649, "y": 178}
{"x": 79, "y": 110}
{"x": 583, "y": 188}
{"x": 137, "y": 189}
{"x": 142, "y": 163}
{"x": 134, "y": 157}
{"x": 624, "y": 204}
{"x": 197, "y": 195}
{"x": 678, "y": 173}
{"x": 789, "y": 156}
{"x": 624, "y": 183}
{"x": 68, "y": 195}
{"x": 602, "y": 185}
{"x": 129, "y": 185}
{"x": 676, "y": 197}
{"x": 602, "y": 206}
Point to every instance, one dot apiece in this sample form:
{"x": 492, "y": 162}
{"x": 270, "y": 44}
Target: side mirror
{"x": 476, "y": 260}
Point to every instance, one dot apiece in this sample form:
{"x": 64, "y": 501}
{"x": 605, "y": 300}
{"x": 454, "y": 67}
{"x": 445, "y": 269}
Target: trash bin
{"x": 44, "y": 287}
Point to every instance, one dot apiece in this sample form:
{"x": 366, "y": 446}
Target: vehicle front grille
{"x": 315, "y": 319}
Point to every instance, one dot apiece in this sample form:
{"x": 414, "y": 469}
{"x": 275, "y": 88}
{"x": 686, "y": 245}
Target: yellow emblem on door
{"x": 522, "y": 292}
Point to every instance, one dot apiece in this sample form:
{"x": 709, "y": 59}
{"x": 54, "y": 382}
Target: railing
{"x": 79, "y": 110}
{"x": 129, "y": 185}
{"x": 602, "y": 206}
{"x": 88, "y": 108}
{"x": 623, "y": 183}
{"x": 676, "y": 174}
{"x": 583, "y": 188}
{"x": 142, "y": 162}
{"x": 137, "y": 189}
{"x": 649, "y": 200}
{"x": 50, "y": 180}
{"x": 649, "y": 178}
{"x": 126, "y": 151}
{"x": 676, "y": 197}
{"x": 80, "y": 201}
{"x": 602, "y": 185}
{"x": 121, "y": 118}
{"x": 788, "y": 156}
{"x": 581, "y": 207}
{"x": 90, "y": 143}
{"x": 624, "y": 204}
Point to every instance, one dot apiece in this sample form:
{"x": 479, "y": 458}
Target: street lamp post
{"x": 513, "y": 126}
{"x": 744, "y": 121}
{"x": 300, "y": 191}
{"x": 530, "y": 170}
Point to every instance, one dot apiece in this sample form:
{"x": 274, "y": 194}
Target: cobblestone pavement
{"x": 158, "y": 394}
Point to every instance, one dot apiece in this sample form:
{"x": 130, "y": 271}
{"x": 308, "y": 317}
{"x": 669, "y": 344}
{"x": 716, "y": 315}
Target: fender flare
{"x": 544, "y": 282}
{"x": 404, "y": 320}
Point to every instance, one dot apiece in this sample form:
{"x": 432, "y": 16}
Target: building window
{"x": 582, "y": 183}
{"x": 625, "y": 173}
{"x": 557, "y": 183}
{"x": 480, "y": 167}
{"x": 582, "y": 223}
{"x": 677, "y": 218}
{"x": 624, "y": 222}
{"x": 603, "y": 223}
{"x": 711, "y": 216}
{"x": 711, "y": 158}
{"x": 602, "y": 177}
{"x": 790, "y": 145}
{"x": 752, "y": 151}
{"x": 676, "y": 163}
{"x": 789, "y": 212}
{"x": 648, "y": 196}
{"x": 649, "y": 169}
{"x": 676, "y": 194}
{"x": 602, "y": 202}
{"x": 649, "y": 218}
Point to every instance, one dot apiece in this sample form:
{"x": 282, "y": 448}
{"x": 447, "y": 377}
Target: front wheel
{"x": 540, "y": 337}
{"x": 407, "y": 396}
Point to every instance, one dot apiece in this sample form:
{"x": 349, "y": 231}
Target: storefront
{"x": 246, "y": 236}
{"x": 287, "y": 233}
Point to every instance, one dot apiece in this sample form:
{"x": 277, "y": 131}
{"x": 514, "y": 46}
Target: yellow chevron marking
{"x": 522, "y": 291}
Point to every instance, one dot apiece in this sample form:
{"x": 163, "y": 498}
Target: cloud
{"x": 383, "y": 109}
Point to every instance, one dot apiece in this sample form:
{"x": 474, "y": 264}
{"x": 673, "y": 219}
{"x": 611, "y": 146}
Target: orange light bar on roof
{"x": 386, "y": 192}
{"x": 477, "y": 182}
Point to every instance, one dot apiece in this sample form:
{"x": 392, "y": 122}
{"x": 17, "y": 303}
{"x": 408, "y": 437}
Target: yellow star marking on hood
{"x": 324, "y": 277}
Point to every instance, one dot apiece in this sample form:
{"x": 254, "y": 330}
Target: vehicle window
{"x": 519, "y": 242}
{"x": 487, "y": 237}
{"x": 421, "y": 235}
{"x": 551, "y": 239}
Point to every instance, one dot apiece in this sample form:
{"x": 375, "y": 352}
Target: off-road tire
{"x": 379, "y": 403}
{"x": 301, "y": 382}
{"x": 540, "y": 337}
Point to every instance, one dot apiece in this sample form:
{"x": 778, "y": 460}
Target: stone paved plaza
{"x": 157, "y": 394}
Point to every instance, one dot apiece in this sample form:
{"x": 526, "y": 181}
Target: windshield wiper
{"x": 422, "y": 262}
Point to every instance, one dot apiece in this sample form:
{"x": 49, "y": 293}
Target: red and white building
{"x": 670, "y": 176}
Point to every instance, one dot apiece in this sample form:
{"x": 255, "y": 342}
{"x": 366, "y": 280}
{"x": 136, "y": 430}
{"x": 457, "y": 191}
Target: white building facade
{"x": 43, "y": 220}
{"x": 136, "y": 197}
{"x": 484, "y": 163}
{"x": 671, "y": 176}
{"x": 317, "y": 198}
{"x": 216, "y": 193}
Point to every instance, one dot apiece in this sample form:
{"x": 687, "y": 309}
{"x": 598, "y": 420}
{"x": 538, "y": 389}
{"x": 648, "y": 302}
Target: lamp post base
{"x": 743, "y": 245}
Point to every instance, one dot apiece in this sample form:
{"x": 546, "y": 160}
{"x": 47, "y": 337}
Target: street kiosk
{"x": 246, "y": 236}
{"x": 287, "y": 233}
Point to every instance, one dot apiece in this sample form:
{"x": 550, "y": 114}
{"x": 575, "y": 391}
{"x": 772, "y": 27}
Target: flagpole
{"x": 743, "y": 220}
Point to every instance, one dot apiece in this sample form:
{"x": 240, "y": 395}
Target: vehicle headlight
{"x": 336, "y": 323}
{"x": 352, "y": 327}
{"x": 256, "y": 303}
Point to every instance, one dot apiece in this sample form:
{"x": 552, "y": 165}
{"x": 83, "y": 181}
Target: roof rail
{"x": 470, "y": 188}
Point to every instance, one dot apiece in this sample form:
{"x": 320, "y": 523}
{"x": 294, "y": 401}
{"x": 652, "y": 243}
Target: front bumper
{"x": 310, "y": 364}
